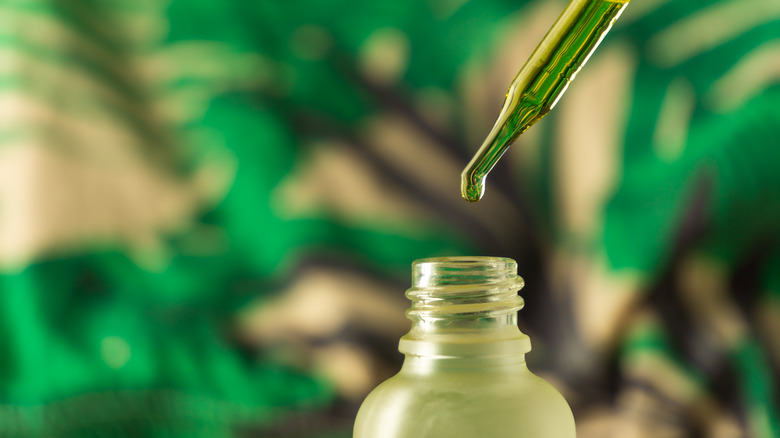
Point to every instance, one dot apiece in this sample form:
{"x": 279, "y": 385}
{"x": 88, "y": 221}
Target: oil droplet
{"x": 472, "y": 188}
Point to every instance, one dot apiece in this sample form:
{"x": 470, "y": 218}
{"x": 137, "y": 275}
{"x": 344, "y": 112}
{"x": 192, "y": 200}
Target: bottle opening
{"x": 464, "y": 287}
{"x": 464, "y": 306}
{"x": 442, "y": 271}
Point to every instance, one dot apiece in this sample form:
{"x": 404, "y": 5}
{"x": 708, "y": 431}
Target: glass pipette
{"x": 541, "y": 82}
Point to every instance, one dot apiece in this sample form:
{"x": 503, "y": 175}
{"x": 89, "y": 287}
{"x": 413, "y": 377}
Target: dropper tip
{"x": 472, "y": 188}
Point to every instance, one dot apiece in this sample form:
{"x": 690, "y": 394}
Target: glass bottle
{"x": 464, "y": 374}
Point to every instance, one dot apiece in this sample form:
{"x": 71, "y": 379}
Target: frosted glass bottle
{"x": 464, "y": 375}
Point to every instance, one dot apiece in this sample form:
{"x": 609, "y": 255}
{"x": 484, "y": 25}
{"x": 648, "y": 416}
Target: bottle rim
{"x": 463, "y": 270}
{"x": 464, "y": 287}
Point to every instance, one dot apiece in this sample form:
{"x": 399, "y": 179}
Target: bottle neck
{"x": 464, "y": 309}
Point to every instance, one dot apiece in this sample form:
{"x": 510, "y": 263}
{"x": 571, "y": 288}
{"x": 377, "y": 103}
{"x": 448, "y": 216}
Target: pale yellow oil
{"x": 541, "y": 82}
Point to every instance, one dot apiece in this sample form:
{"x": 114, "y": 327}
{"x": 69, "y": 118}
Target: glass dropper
{"x": 541, "y": 82}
